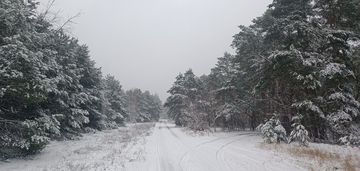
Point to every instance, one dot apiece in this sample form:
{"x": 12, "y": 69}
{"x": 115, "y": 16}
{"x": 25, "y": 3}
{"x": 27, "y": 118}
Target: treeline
{"x": 297, "y": 63}
{"x": 143, "y": 106}
{"x": 49, "y": 86}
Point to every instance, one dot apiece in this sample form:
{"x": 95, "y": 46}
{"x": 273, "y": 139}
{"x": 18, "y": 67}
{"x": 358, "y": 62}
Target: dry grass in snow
{"x": 320, "y": 156}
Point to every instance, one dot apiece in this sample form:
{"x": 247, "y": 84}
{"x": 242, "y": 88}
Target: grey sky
{"x": 146, "y": 43}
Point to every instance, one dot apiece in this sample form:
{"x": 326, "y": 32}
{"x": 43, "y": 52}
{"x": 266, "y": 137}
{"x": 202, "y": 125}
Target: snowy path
{"x": 143, "y": 147}
{"x": 166, "y": 148}
{"x": 170, "y": 149}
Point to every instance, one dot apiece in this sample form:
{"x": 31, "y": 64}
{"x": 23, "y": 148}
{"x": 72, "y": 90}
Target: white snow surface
{"x": 165, "y": 147}
{"x": 108, "y": 150}
{"x": 172, "y": 149}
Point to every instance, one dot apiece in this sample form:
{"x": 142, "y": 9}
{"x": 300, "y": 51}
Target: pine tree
{"x": 340, "y": 81}
{"x": 176, "y": 101}
{"x": 291, "y": 71}
{"x": 25, "y": 126}
{"x": 113, "y": 102}
{"x": 250, "y": 52}
{"x": 224, "y": 92}
{"x": 340, "y": 14}
{"x": 184, "y": 104}
{"x": 340, "y": 104}
{"x": 273, "y": 131}
{"x": 299, "y": 133}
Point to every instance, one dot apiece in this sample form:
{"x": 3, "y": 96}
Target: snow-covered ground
{"x": 319, "y": 156}
{"x": 143, "y": 147}
{"x": 106, "y": 151}
{"x": 171, "y": 149}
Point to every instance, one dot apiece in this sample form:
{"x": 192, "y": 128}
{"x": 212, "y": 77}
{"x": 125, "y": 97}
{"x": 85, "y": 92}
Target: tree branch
{"x": 68, "y": 21}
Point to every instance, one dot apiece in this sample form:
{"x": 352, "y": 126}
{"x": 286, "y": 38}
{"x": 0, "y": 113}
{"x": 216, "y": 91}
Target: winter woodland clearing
{"x": 287, "y": 98}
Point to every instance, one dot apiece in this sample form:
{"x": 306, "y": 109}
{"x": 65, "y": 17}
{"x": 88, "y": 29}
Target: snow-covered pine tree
{"x": 342, "y": 15}
{"x": 25, "y": 126}
{"x": 67, "y": 96}
{"x": 196, "y": 117}
{"x": 290, "y": 71}
{"x": 227, "y": 112}
{"x": 89, "y": 78}
{"x": 185, "y": 104}
{"x": 155, "y": 107}
{"x": 145, "y": 107}
{"x": 231, "y": 116}
{"x": 113, "y": 102}
{"x": 202, "y": 114}
{"x": 339, "y": 81}
{"x": 207, "y": 103}
{"x": 341, "y": 106}
{"x": 312, "y": 117}
{"x": 250, "y": 52}
{"x": 132, "y": 103}
{"x": 176, "y": 101}
{"x": 299, "y": 133}
{"x": 273, "y": 131}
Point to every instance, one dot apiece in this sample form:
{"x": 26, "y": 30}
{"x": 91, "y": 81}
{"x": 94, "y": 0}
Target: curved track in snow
{"x": 170, "y": 149}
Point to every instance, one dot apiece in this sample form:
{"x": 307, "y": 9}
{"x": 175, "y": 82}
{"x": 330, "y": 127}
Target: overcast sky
{"x": 146, "y": 43}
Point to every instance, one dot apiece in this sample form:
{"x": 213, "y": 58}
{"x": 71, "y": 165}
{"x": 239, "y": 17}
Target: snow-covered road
{"x": 171, "y": 149}
{"x": 143, "y": 147}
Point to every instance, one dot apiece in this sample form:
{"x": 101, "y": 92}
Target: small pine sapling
{"x": 299, "y": 133}
{"x": 273, "y": 131}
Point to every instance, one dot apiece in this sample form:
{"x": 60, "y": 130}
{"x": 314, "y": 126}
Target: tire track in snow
{"x": 164, "y": 164}
{"x": 174, "y": 150}
{"x": 158, "y": 155}
{"x": 205, "y": 143}
{"x": 220, "y": 156}
{"x": 249, "y": 157}
{"x": 267, "y": 165}
{"x": 162, "y": 137}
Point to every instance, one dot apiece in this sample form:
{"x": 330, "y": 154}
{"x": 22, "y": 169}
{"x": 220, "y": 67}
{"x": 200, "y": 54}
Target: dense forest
{"x": 295, "y": 69}
{"x": 50, "y": 88}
